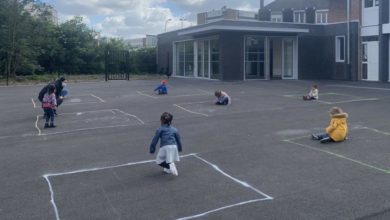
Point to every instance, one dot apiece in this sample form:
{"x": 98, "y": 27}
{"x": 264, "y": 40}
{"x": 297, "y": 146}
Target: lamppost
{"x": 182, "y": 20}
{"x": 166, "y": 22}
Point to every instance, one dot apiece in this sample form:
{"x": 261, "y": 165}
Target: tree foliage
{"x": 32, "y": 42}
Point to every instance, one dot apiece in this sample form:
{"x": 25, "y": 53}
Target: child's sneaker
{"x": 315, "y": 137}
{"x": 46, "y": 126}
{"x": 173, "y": 169}
{"x": 52, "y": 126}
{"x": 167, "y": 171}
{"x": 325, "y": 140}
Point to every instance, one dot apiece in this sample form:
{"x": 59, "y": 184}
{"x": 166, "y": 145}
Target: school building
{"x": 288, "y": 39}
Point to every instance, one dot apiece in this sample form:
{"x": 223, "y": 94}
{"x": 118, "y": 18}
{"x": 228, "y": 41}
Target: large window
{"x": 276, "y": 16}
{"x": 185, "y": 59}
{"x": 299, "y": 17}
{"x": 254, "y": 57}
{"x": 203, "y": 58}
{"x": 214, "y": 59}
{"x": 340, "y": 49}
{"x": 371, "y": 3}
{"x": 322, "y": 16}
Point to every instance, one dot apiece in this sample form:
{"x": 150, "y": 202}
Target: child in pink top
{"x": 49, "y": 104}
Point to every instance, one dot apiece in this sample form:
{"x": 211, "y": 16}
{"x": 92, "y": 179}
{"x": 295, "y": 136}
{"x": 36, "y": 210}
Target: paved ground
{"x": 251, "y": 160}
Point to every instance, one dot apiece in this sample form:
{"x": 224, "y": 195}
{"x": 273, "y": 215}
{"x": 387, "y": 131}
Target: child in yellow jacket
{"x": 337, "y": 130}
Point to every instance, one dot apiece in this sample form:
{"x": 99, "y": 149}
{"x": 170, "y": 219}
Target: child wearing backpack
{"x": 49, "y": 103}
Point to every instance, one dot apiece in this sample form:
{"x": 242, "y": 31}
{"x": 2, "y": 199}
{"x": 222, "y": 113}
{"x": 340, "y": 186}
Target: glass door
{"x": 203, "y": 59}
{"x": 254, "y": 57}
{"x": 288, "y": 58}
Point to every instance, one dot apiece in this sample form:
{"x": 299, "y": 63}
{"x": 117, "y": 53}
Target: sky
{"x": 135, "y": 18}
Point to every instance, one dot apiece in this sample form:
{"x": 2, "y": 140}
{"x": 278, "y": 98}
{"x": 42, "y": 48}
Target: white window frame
{"x": 276, "y": 16}
{"x": 299, "y": 12}
{"x": 374, "y": 3}
{"x": 320, "y": 14}
{"x": 337, "y": 46}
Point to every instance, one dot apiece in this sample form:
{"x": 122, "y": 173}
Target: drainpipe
{"x": 349, "y": 31}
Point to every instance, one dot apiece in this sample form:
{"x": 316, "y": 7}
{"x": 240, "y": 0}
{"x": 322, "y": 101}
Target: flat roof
{"x": 213, "y": 28}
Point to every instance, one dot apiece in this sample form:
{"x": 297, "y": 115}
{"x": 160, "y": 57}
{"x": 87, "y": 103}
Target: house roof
{"x": 279, "y": 5}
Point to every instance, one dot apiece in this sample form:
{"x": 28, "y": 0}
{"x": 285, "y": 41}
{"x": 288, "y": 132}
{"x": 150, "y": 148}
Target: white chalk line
{"x": 47, "y": 176}
{"x": 134, "y": 116}
{"x": 222, "y": 208}
{"x": 52, "y": 201}
{"x": 93, "y": 128}
{"x": 301, "y": 95}
{"x": 93, "y": 111}
{"x": 149, "y": 96}
{"x": 37, "y": 127}
{"x": 109, "y": 167}
{"x": 206, "y": 92}
{"x": 339, "y": 156}
{"x": 357, "y": 100}
{"x": 267, "y": 197}
{"x": 79, "y": 103}
{"x": 100, "y": 99}
{"x": 232, "y": 178}
{"x": 196, "y": 113}
{"x": 359, "y": 87}
{"x": 376, "y": 130}
{"x": 86, "y": 129}
{"x": 33, "y": 102}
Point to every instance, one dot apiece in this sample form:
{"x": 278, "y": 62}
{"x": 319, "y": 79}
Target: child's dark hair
{"x": 51, "y": 89}
{"x": 218, "y": 93}
{"x": 315, "y": 86}
{"x": 166, "y": 118}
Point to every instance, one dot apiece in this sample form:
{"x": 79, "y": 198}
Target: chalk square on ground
{"x": 363, "y": 145}
{"x": 210, "y": 108}
{"x": 81, "y": 99}
{"x": 337, "y": 97}
{"x": 176, "y": 93}
{"x": 76, "y": 121}
{"x": 143, "y": 191}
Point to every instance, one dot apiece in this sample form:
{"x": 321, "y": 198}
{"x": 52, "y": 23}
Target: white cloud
{"x": 135, "y": 18}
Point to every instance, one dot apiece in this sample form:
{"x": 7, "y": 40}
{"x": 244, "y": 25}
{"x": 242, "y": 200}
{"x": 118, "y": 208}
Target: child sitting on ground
{"x": 337, "y": 130}
{"x": 313, "y": 94}
{"x": 222, "y": 98}
{"x": 162, "y": 88}
{"x": 49, "y": 103}
{"x": 170, "y": 144}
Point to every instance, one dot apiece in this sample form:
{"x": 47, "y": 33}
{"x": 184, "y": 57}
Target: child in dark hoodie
{"x": 170, "y": 144}
{"x": 337, "y": 130}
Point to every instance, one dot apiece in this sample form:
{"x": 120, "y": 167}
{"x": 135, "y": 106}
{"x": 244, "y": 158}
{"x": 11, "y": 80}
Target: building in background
{"x": 150, "y": 41}
{"x": 292, "y": 39}
{"x": 225, "y": 14}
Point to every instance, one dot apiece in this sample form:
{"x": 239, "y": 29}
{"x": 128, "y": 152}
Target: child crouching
{"x": 337, "y": 130}
{"x": 170, "y": 144}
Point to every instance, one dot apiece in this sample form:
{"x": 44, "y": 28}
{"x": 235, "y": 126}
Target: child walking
{"x": 222, "y": 98}
{"x": 337, "y": 130}
{"x": 49, "y": 104}
{"x": 170, "y": 144}
{"x": 162, "y": 88}
{"x": 313, "y": 94}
